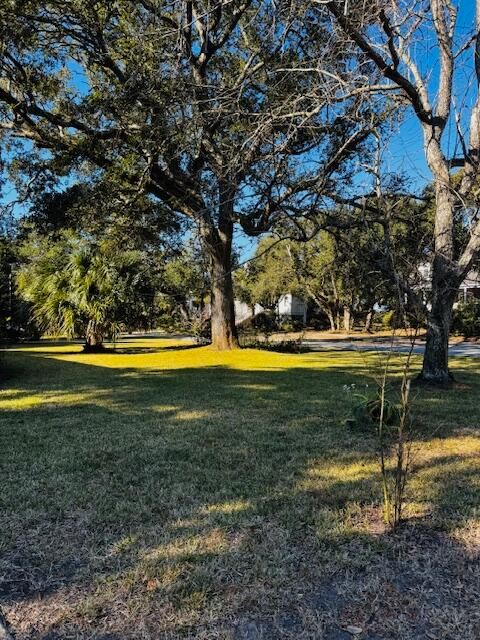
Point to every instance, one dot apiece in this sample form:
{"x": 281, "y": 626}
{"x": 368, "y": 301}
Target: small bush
{"x": 466, "y": 319}
{"x": 265, "y": 323}
{"x": 288, "y": 346}
{"x": 366, "y": 409}
{"x": 389, "y": 319}
{"x": 284, "y": 346}
{"x": 318, "y": 320}
{"x": 288, "y": 324}
{"x": 394, "y": 319}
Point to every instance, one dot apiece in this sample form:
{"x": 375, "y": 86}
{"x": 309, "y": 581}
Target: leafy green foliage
{"x": 466, "y": 319}
{"x": 78, "y": 286}
{"x": 185, "y": 290}
{"x": 333, "y": 273}
{"x": 267, "y": 277}
{"x": 98, "y": 207}
{"x": 15, "y": 320}
{"x": 6, "y": 260}
{"x": 214, "y": 111}
{"x": 345, "y": 271}
{"x": 163, "y": 103}
{"x": 366, "y": 410}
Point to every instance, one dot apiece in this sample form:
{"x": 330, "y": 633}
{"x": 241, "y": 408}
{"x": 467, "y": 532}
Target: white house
{"x": 288, "y": 306}
{"x": 470, "y": 287}
{"x": 243, "y": 311}
{"x": 292, "y": 307}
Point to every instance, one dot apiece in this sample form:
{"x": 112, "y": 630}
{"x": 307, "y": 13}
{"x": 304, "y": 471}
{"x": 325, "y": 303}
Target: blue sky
{"x": 405, "y": 152}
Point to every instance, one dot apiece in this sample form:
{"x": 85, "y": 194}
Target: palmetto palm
{"x": 74, "y": 286}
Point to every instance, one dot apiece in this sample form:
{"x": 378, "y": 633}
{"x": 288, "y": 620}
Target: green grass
{"x": 165, "y": 491}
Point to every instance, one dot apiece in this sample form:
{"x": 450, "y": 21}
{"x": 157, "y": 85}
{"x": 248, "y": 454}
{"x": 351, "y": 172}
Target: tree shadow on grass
{"x": 208, "y": 502}
{"x": 127, "y": 345}
{"x": 177, "y": 347}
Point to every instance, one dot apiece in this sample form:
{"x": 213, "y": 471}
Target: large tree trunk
{"x": 435, "y": 361}
{"x": 218, "y": 243}
{"x": 444, "y": 282}
{"x": 224, "y": 331}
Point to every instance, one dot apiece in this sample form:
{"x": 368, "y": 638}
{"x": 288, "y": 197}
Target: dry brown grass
{"x": 164, "y": 492}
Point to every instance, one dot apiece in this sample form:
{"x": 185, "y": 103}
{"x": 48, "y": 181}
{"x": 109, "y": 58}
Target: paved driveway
{"x": 465, "y": 349}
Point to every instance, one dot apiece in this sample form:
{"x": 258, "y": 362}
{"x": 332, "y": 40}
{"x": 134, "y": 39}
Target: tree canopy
{"x": 220, "y": 111}
{"x": 345, "y": 271}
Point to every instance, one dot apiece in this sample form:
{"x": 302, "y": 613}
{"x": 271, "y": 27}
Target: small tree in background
{"x": 267, "y": 277}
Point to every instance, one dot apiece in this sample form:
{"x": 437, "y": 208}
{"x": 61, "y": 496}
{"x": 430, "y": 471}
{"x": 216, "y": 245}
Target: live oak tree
{"x": 394, "y": 37}
{"x": 339, "y": 274}
{"x": 194, "y": 102}
{"x": 307, "y": 269}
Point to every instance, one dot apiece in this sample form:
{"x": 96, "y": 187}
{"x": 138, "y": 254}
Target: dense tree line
{"x": 346, "y": 273}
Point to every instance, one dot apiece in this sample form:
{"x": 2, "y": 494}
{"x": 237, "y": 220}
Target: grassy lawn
{"x": 165, "y": 491}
